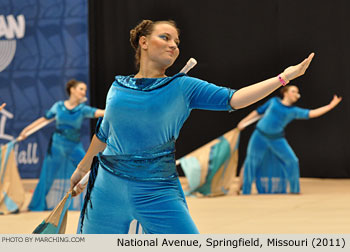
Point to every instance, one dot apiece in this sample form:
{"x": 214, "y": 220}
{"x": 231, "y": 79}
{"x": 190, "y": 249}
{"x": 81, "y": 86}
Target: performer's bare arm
{"x": 99, "y": 113}
{"x": 38, "y": 121}
{"x": 84, "y": 166}
{"x": 323, "y": 110}
{"x": 253, "y": 93}
{"x": 2, "y": 106}
{"x": 252, "y": 115}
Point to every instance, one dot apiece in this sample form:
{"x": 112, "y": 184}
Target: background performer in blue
{"x": 135, "y": 176}
{"x": 270, "y": 161}
{"x": 65, "y": 149}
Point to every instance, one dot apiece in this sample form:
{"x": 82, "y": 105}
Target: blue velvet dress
{"x": 137, "y": 177}
{"x": 64, "y": 153}
{"x": 270, "y": 162}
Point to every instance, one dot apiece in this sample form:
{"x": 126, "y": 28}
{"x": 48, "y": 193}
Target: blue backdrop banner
{"x": 43, "y": 44}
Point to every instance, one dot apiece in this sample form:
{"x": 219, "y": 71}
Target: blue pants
{"x": 159, "y": 206}
{"x": 271, "y": 163}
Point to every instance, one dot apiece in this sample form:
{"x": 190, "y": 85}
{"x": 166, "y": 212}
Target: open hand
{"x": 293, "y": 72}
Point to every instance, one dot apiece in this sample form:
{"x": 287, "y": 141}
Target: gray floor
{"x": 322, "y": 207}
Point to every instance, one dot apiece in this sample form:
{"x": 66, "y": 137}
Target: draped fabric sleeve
{"x": 88, "y": 112}
{"x": 101, "y": 131}
{"x": 51, "y": 113}
{"x": 300, "y": 113}
{"x": 200, "y": 94}
{"x": 261, "y": 110}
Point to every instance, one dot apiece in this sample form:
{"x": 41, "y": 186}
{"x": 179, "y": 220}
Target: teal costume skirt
{"x": 271, "y": 164}
{"x": 64, "y": 154}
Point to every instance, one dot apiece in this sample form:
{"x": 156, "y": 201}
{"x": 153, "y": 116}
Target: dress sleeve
{"x": 261, "y": 110}
{"x": 300, "y": 113}
{"x": 89, "y": 112}
{"x": 200, "y": 94}
{"x": 102, "y": 129}
{"x": 51, "y": 113}
{"x": 102, "y": 126}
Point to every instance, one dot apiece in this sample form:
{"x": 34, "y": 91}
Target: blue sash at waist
{"x": 271, "y": 136}
{"x": 156, "y": 164}
{"x": 71, "y": 134}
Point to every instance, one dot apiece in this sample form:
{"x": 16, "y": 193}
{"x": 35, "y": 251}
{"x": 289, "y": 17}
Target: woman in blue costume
{"x": 270, "y": 161}
{"x": 134, "y": 175}
{"x": 65, "y": 150}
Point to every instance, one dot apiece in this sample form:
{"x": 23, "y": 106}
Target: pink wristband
{"x": 283, "y": 82}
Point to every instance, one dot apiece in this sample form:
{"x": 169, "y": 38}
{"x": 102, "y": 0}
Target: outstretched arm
{"x": 323, "y": 110}
{"x": 99, "y": 113}
{"x": 252, "y": 115}
{"x": 38, "y": 121}
{"x": 253, "y": 93}
{"x": 84, "y": 166}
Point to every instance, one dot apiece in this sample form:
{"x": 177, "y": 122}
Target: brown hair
{"x": 72, "y": 83}
{"x": 145, "y": 28}
{"x": 285, "y": 89}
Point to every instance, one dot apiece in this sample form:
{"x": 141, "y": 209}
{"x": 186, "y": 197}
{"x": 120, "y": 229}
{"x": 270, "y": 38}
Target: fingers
{"x": 72, "y": 183}
{"x": 335, "y": 101}
{"x": 311, "y": 56}
{"x": 309, "y": 59}
{"x": 78, "y": 189}
{"x": 21, "y": 137}
{"x": 76, "y": 186}
{"x": 295, "y": 71}
{"x": 306, "y": 62}
{"x": 336, "y": 97}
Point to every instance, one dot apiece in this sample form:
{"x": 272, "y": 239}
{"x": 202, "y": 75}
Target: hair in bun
{"x": 144, "y": 28}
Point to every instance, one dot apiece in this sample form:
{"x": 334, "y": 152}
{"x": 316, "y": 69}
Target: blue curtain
{"x": 43, "y": 44}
